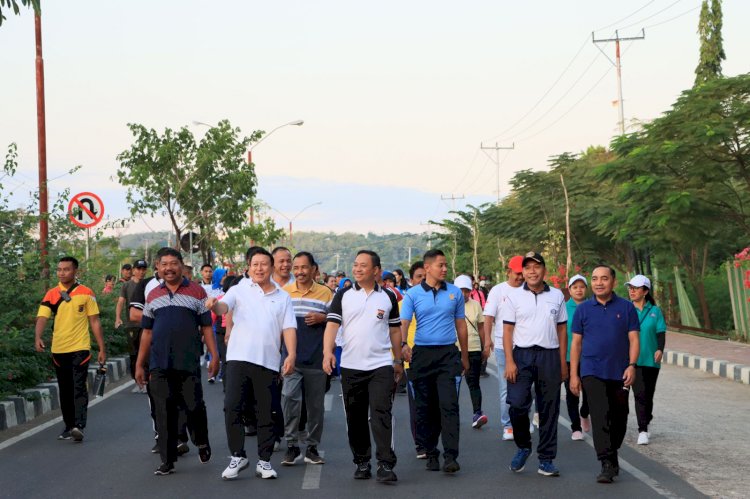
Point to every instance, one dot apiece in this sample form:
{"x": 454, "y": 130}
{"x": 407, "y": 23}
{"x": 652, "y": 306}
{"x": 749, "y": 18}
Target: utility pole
{"x": 452, "y": 199}
{"x": 496, "y": 160}
{"x": 337, "y": 262}
{"x": 41, "y": 128}
{"x": 617, "y": 39}
{"x": 429, "y": 234}
{"x": 409, "y": 260}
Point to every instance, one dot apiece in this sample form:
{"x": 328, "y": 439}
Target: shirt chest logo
{"x": 381, "y": 314}
{"x": 80, "y": 309}
{"x": 452, "y": 296}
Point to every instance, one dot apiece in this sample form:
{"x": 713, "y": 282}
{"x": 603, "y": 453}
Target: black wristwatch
{"x": 632, "y": 364}
{"x": 399, "y": 362}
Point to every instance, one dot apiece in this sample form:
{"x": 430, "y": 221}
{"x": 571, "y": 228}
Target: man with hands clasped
{"x": 371, "y": 364}
{"x": 606, "y": 346}
{"x": 262, "y": 314}
{"x": 535, "y": 342}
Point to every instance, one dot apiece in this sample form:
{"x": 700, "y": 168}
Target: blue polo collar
{"x": 427, "y": 287}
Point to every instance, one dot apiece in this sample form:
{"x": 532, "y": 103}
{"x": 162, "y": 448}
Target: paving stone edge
{"x": 43, "y": 398}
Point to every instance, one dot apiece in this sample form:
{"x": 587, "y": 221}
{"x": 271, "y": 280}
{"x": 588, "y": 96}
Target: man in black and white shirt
{"x": 371, "y": 363}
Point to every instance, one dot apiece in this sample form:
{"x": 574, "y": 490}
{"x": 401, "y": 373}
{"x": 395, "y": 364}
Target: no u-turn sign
{"x": 86, "y": 210}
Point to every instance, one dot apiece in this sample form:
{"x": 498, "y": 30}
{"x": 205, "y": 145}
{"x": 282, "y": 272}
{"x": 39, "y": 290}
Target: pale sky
{"x": 396, "y": 96}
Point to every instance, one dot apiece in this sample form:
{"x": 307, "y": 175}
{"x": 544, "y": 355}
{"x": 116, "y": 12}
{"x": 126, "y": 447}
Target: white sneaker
{"x": 643, "y": 438}
{"x": 535, "y": 419}
{"x": 577, "y": 435}
{"x": 586, "y": 424}
{"x": 531, "y": 428}
{"x": 508, "y": 434}
{"x": 236, "y": 465}
{"x": 264, "y": 470}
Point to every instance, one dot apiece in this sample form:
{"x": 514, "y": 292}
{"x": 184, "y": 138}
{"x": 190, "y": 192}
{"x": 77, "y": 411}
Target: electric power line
{"x": 673, "y": 18}
{"x": 565, "y": 94}
{"x": 626, "y": 17}
{"x": 576, "y": 103}
{"x": 570, "y": 63}
{"x": 652, "y": 15}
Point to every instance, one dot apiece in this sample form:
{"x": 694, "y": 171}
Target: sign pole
{"x": 88, "y": 238}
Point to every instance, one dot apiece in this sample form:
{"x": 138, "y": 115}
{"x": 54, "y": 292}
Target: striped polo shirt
{"x": 309, "y": 338}
{"x": 175, "y": 320}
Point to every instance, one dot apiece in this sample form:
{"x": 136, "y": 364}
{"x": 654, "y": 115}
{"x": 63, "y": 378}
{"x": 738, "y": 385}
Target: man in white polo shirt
{"x": 535, "y": 342}
{"x": 262, "y": 313}
{"x": 493, "y": 333}
{"x": 371, "y": 363}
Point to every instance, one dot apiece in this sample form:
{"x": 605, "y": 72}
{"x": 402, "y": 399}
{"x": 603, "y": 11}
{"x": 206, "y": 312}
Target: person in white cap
{"x": 579, "y": 421}
{"x": 652, "y": 339}
{"x": 474, "y": 326}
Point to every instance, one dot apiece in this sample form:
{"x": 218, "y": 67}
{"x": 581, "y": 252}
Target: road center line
{"x": 328, "y": 402}
{"x": 311, "y": 479}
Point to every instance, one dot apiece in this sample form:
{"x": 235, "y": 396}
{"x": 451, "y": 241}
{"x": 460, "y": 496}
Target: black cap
{"x": 140, "y": 264}
{"x": 127, "y": 266}
{"x": 340, "y": 273}
{"x": 531, "y": 256}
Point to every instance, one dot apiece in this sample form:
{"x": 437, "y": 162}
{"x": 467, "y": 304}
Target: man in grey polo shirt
{"x": 535, "y": 343}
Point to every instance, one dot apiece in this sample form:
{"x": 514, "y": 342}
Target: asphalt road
{"x": 115, "y": 461}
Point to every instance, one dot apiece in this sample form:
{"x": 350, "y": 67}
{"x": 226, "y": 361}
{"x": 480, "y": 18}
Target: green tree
{"x": 13, "y": 4}
{"x": 711, "y": 43}
{"x": 205, "y": 186}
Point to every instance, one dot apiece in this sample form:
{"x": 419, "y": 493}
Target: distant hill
{"x": 392, "y": 248}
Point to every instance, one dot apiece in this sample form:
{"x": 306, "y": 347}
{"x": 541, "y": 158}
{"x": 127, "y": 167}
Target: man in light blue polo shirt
{"x": 435, "y": 362}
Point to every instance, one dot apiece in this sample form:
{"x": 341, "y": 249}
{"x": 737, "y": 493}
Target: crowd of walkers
{"x": 275, "y": 335}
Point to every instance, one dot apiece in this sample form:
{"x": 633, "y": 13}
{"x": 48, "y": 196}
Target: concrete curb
{"x": 34, "y": 402}
{"x": 722, "y": 368}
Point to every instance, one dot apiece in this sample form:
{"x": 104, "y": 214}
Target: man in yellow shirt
{"x": 74, "y": 309}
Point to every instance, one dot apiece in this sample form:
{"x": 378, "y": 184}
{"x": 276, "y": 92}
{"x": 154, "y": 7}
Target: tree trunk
{"x": 569, "y": 259}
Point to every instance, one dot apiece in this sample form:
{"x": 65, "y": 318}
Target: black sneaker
{"x": 165, "y": 469}
{"x": 450, "y": 465}
{"x": 204, "y": 453}
{"x": 155, "y": 448}
{"x": 433, "y": 463}
{"x": 363, "y": 472}
{"x": 77, "y": 434}
{"x": 182, "y": 448}
{"x": 65, "y": 435}
{"x": 607, "y": 474}
{"x": 385, "y": 473}
{"x": 312, "y": 456}
{"x": 291, "y": 456}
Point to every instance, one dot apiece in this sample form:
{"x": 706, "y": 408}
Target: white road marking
{"x": 311, "y": 479}
{"x": 57, "y": 420}
{"x": 637, "y": 473}
{"x": 328, "y": 402}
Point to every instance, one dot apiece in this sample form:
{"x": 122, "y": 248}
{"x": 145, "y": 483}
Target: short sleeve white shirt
{"x": 494, "y": 308}
{"x": 535, "y": 316}
{"x": 259, "y": 319}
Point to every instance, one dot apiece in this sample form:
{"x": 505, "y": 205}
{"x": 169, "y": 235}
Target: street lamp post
{"x": 291, "y": 220}
{"x": 250, "y": 161}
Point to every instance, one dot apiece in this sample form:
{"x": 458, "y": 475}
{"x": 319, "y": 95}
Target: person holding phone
{"x": 74, "y": 309}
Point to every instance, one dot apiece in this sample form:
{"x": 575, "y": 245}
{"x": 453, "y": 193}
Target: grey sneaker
{"x": 291, "y": 456}
{"x": 312, "y": 456}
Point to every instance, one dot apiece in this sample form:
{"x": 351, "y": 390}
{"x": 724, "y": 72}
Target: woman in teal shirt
{"x": 652, "y": 339}
{"x": 579, "y": 421}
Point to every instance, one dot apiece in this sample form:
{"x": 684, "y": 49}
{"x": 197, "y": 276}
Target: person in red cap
{"x": 493, "y": 336}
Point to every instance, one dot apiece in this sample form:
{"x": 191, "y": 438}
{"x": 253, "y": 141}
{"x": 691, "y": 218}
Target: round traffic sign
{"x": 86, "y": 210}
